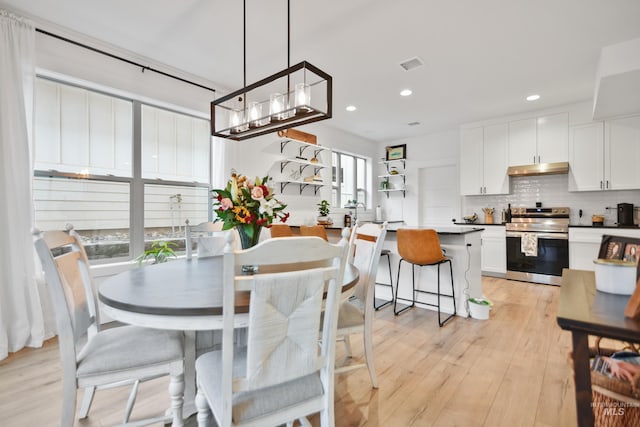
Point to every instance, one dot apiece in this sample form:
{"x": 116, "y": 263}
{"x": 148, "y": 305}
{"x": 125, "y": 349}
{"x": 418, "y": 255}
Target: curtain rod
{"x": 111, "y": 55}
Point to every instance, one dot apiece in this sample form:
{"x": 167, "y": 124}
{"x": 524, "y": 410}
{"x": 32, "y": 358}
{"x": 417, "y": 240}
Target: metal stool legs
{"x": 385, "y": 252}
{"x": 438, "y": 293}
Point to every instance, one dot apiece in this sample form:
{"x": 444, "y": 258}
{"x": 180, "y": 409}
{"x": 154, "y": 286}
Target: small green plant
{"x": 323, "y": 208}
{"x": 160, "y": 251}
{"x": 480, "y": 301}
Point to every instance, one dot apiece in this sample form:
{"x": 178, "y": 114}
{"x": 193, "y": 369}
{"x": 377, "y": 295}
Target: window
{"x": 349, "y": 179}
{"x": 106, "y": 164}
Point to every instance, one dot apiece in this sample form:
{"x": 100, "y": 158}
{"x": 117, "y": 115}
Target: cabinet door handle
{"x": 534, "y": 159}
{"x": 538, "y": 158}
{"x": 601, "y": 185}
{"x": 607, "y": 184}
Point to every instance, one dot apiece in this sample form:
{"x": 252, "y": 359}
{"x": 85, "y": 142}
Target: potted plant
{"x": 479, "y": 308}
{"x": 160, "y": 251}
{"x": 324, "y": 210}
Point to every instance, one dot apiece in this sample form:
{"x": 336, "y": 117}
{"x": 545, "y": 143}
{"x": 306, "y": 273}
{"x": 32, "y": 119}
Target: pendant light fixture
{"x": 298, "y": 95}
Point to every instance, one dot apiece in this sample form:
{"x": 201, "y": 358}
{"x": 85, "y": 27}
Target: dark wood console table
{"x": 585, "y": 311}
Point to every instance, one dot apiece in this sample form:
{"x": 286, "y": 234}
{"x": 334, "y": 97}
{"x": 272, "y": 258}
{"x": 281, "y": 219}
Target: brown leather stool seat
{"x": 421, "y": 247}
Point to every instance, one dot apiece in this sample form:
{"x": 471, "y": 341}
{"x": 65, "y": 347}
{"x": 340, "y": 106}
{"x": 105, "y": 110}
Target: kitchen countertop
{"x": 482, "y": 224}
{"x": 628, "y": 227}
{"x": 440, "y": 229}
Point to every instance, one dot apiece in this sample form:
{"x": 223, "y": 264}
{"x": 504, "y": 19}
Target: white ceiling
{"x": 481, "y": 57}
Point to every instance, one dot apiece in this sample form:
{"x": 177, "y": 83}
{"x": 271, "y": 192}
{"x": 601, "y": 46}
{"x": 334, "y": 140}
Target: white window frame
{"x": 367, "y": 177}
{"x": 136, "y": 182}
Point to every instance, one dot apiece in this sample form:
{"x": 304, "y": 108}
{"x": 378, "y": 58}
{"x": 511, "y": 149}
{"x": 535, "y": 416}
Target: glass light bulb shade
{"x": 254, "y": 113}
{"x": 236, "y": 118}
{"x": 276, "y": 106}
{"x": 302, "y": 94}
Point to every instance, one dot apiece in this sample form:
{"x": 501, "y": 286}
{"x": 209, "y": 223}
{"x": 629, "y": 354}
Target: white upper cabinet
{"x": 586, "y": 157}
{"x": 605, "y": 156}
{"x": 622, "y": 144}
{"x": 553, "y": 138}
{"x": 522, "y": 142}
{"x": 543, "y": 139}
{"x": 496, "y": 180}
{"x": 483, "y": 160}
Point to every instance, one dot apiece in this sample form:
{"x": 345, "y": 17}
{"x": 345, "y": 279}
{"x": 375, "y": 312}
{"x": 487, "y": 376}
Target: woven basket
{"x": 616, "y": 403}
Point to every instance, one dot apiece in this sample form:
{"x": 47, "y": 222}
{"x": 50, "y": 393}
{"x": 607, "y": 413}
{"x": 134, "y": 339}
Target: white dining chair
{"x": 282, "y": 374}
{"x": 93, "y": 358}
{"x": 207, "y": 236}
{"x": 356, "y": 314}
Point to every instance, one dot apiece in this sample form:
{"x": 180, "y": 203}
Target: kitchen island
{"x": 462, "y": 245}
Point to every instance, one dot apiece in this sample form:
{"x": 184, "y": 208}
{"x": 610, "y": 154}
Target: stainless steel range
{"x": 538, "y": 244}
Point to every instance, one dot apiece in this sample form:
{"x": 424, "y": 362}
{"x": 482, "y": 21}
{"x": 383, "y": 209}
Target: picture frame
{"x": 620, "y": 248}
{"x": 624, "y": 249}
{"x": 396, "y": 152}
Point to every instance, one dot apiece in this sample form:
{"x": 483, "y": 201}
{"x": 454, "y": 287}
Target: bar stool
{"x": 421, "y": 247}
{"x": 387, "y": 253}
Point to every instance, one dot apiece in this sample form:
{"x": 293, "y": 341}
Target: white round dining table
{"x": 184, "y": 295}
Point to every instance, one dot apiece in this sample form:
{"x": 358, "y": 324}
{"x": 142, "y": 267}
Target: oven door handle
{"x": 556, "y": 236}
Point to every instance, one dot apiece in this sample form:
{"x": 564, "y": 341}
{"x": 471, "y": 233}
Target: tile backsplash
{"x": 552, "y": 191}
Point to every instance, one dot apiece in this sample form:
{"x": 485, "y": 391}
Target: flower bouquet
{"x": 248, "y": 205}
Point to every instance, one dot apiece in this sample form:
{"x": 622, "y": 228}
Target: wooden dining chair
{"x": 280, "y": 230}
{"x": 356, "y": 313}
{"x": 93, "y": 358}
{"x": 314, "y": 230}
{"x": 207, "y": 236}
{"x": 282, "y": 374}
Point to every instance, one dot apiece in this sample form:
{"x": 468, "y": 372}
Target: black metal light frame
{"x": 300, "y": 116}
{"x": 291, "y": 116}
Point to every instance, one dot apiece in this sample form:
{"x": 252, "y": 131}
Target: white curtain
{"x": 21, "y": 319}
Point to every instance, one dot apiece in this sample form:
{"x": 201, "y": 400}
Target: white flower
{"x": 266, "y": 206}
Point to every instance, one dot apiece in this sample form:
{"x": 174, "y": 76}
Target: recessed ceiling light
{"x": 406, "y": 92}
{"x": 351, "y": 108}
{"x": 533, "y": 97}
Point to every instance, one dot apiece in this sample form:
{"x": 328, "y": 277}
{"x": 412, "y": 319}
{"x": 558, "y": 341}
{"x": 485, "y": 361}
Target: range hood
{"x": 539, "y": 169}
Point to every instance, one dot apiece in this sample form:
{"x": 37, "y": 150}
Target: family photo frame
{"x": 624, "y": 249}
{"x": 620, "y": 248}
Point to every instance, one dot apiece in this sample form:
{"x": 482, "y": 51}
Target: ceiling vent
{"x": 412, "y": 63}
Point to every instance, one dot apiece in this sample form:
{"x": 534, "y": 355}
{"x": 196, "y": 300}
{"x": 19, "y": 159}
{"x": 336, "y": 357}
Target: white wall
{"x": 437, "y": 149}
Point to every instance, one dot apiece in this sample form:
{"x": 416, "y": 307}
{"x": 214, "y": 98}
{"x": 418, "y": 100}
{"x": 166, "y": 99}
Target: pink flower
{"x": 226, "y": 203}
{"x": 257, "y": 193}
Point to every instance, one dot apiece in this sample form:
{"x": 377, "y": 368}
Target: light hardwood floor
{"x": 510, "y": 370}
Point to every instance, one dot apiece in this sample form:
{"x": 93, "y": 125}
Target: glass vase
{"x": 249, "y": 237}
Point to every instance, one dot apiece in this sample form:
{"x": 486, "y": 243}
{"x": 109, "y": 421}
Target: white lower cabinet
{"x": 494, "y": 250}
{"x": 584, "y": 244}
